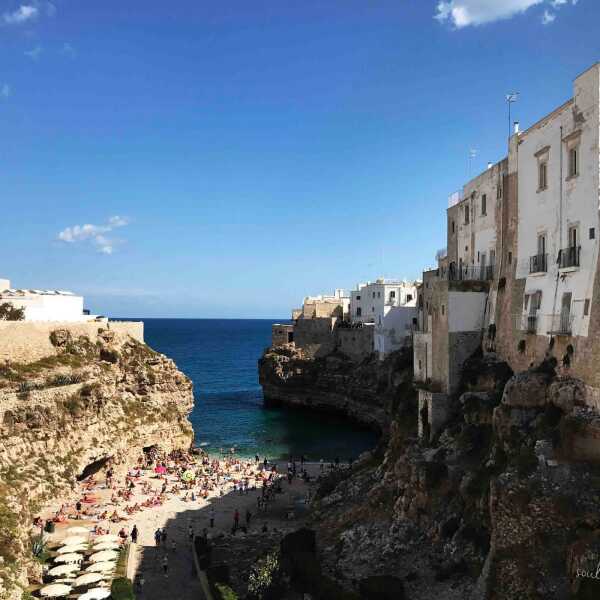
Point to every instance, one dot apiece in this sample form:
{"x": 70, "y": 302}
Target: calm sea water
{"x": 220, "y": 356}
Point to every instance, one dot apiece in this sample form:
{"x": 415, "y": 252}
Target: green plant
{"x": 39, "y": 549}
{"x": 225, "y": 592}
{"x": 122, "y": 589}
{"x": 265, "y": 580}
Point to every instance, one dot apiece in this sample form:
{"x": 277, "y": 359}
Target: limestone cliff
{"x": 366, "y": 391}
{"x": 88, "y": 401}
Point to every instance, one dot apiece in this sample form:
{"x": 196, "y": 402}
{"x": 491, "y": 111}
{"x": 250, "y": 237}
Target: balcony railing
{"x": 560, "y": 324}
{"x": 469, "y": 273}
{"x": 538, "y": 263}
{"x": 527, "y": 323}
{"x": 569, "y": 257}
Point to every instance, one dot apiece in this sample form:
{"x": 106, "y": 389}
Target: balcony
{"x": 471, "y": 273}
{"x": 560, "y": 324}
{"x": 527, "y": 323}
{"x": 569, "y": 257}
{"x": 538, "y": 263}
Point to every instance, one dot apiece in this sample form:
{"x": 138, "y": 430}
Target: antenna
{"x": 472, "y": 155}
{"x": 510, "y": 99}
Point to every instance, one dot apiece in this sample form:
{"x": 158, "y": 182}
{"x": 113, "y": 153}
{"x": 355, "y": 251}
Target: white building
{"x": 45, "y": 305}
{"x": 324, "y": 306}
{"x": 391, "y": 306}
{"x": 558, "y": 227}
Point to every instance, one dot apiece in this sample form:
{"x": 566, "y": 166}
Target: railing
{"x": 468, "y": 273}
{"x": 538, "y": 263}
{"x": 527, "y": 323}
{"x": 560, "y": 324}
{"x": 569, "y": 257}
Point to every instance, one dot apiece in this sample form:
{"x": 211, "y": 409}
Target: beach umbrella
{"x": 63, "y": 569}
{"x": 96, "y": 594}
{"x": 55, "y": 590}
{"x": 107, "y": 537}
{"x": 87, "y": 578}
{"x": 101, "y": 567}
{"x": 104, "y": 555}
{"x": 78, "y": 530}
{"x": 73, "y": 557}
{"x": 106, "y": 546}
{"x": 188, "y": 476}
{"x": 74, "y": 540}
{"x": 69, "y": 549}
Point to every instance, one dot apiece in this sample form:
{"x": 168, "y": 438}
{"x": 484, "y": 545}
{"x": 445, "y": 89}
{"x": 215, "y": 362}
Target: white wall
{"x": 396, "y": 327}
{"x": 4, "y": 284}
{"x": 465, "y": 311}
{"x": 565, "y": 202}
{"x": 41, "y": 307}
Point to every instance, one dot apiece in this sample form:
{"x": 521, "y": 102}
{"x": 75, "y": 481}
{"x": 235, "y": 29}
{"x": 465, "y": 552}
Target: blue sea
{"x": 220, "y": 356}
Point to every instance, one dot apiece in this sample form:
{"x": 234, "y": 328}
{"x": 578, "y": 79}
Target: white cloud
{"x": 462, "y": 13}
{"x": 95, "y": 234}
{"x": 34, "y": 53}
{"x": 548, "y": 18}
{"x": 5, "y": 90}
{"x": 25, "y": 12}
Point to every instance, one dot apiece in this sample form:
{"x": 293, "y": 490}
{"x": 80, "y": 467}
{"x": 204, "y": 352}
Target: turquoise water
{"x": 220, "y": 356}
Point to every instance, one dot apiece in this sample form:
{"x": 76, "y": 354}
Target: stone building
{"x": 324, "y": 306}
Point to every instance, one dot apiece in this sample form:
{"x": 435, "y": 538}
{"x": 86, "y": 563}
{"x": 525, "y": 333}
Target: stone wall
{"x": 356, "y": 343}
{"x": 315, "y": 336}
{"x": 433, "y": 413}
{"x": 281, "y": 334}
{"x": 26, "y": 342}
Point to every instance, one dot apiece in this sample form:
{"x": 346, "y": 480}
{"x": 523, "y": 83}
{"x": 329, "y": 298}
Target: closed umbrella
{"x": 107, "y": 537}
{"x": 188, "y": 476}
{"x": 101, "y": 567}
{"x": 104, "y": 555}
{"x": 55, "y": 590}
{"x": 87, "y": 578}
{"x": 74, "y": 540}
{"x": 63, "y": 570}
{"x": 78, "y": 530}
{"x": 69, "y": 549}
{"x": 106, "y": 546}
{"x": 73, "y": 557}
{"x": 95, "y": 594}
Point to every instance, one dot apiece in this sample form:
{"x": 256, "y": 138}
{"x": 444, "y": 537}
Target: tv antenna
{"x": 511, "y": 98}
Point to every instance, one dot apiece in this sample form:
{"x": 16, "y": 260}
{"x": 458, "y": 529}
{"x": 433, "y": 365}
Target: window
{"x": 574, "y": 161}
{"x": 586, "y": 307}
{"x": 573, "y": 237}
{"x": 484, "y": 204}
{"x": 392, "y": 294}
{"x": 592, "y": 233}
{"x": 420, "y": 365}
{"x": 379, "y": 319}
{"x": 359, "y": 312}
{"x": 379, "y": 294}
{"x": 358, "y": 297}
{"x": 373, "y": 294}
{"x": 542, "y": 175}
{"x": 466, "y": 215}
{"x": 372, "y": 309}
{"x": 408, "y": 297}
{"x": 499, "y": 191}
{"x": 443, "y": 309}
{"x": 510, "y": 258}
{"x": 541, "y": 244}
{"x": 453, "y": 227}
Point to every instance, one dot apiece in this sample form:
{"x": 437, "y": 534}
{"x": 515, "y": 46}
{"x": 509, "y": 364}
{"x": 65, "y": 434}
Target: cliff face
{"x": 366, "y": 392}
{"x": 61, "y": 415}
{"x": 501, "y": 505}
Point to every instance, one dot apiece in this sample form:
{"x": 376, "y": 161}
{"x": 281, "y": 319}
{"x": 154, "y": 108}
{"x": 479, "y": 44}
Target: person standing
{"x": 157, "y": 537}
{"x": 248, "y": 517}
{"x": 191, "y": 534}
{"x": 212, "y": 517}
{"x": 163, "y": 535}
{"x": 236, "y": 518}
{"x": 165, "y": 565}
{"x": 134, "y": 535}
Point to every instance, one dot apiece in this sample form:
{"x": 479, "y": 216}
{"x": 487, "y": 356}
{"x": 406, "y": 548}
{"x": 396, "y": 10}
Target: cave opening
{"x": 93, "y": 468}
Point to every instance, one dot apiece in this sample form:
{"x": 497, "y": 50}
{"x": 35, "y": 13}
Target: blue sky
{"x": 229, "y": 158}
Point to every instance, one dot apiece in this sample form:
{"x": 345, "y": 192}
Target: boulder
{"x": 527, "y": 390}
{"x": 566, "y": 394}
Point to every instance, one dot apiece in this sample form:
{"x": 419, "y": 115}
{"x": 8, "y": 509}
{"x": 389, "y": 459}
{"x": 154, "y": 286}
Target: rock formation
{"x": 64, "y": 415}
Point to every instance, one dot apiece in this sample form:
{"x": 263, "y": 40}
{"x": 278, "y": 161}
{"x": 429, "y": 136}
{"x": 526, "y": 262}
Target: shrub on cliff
{"x": 10, "y": 313}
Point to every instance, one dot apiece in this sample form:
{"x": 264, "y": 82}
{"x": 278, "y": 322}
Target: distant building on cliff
{"x": 45, "y": 305}
{"x": 324, "y": 306}
{"x": 390, "y": 305}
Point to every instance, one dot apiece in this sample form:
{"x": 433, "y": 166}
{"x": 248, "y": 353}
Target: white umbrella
{"x": 107, "y": 537}
{"x": 74, "y": 540}
{"x": 104, "y": 555}
{"x": 96, "y": 594}
{"x": 73, "y": 557}
{"x": 55, "y": 590}
{"x": 78, "y": 530}
{"x": 101, "y": 567}
{"x": 106, "y": 546}
{"x": 87, "y": 578}
{"x": 63, "y": 570}
{"x": 69, "y": 549}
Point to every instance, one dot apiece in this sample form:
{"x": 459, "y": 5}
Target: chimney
{"x": 516, "y": 126}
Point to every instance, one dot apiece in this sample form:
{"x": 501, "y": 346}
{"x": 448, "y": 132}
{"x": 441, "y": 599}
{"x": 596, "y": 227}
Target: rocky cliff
{"x": 366, "y": 391}
{"x": 64, "y": 414}
{"x": 501, "y": 505}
